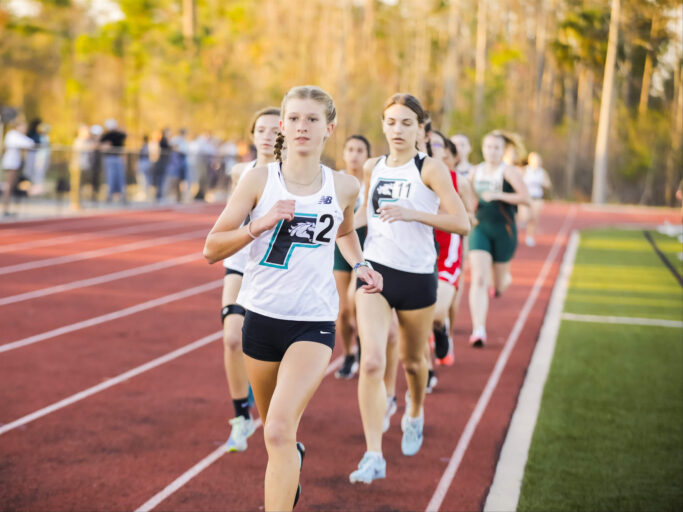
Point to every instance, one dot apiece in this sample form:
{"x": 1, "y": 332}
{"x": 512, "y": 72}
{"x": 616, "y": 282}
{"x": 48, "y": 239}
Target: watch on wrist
{"x": 362, "y": 264}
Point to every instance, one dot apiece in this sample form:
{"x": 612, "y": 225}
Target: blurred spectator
{"x": 144, "y": 178}
{"x": 41, "y": 162}
{"x": 80, "y": 163}
{"x": 112, "y": 143}
{"x": 30, "y": 157}
{"x": 462, "y": 144}
{"x": 96, "y": 132}
{"x": 15, "y": 141}
{"x": 159, "y": 153}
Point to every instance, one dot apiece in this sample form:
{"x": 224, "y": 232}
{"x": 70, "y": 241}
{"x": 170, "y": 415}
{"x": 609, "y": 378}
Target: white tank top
{"x": 484, "y": 182}
{"x": 289, "y": 271}
{"x": 406, "y": 246}
{"x": 238, "y": 261}
{"x": 534, "y": 180}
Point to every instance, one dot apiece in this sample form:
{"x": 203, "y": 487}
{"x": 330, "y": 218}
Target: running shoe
{"x": 449, "y": 360}
{"x": 442, "y": 343}
{"x": 301, "y": 450}
{"x": 478, "y": 338}
{"x": 348, "y": 369}
{"x": 242, "y": 429}
{"x": 412, "y": 434}
{"x": 391, "y": 410}
{"x": 371, "y": 467}
{"x": 431, "y": 382}
{"x": 530, "y": 242}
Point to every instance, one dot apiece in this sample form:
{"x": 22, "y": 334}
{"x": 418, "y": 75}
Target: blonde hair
{"x": 305, "y": 92}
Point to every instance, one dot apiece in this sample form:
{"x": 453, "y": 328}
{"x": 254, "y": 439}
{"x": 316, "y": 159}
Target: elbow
{"x": 209, "y": 253}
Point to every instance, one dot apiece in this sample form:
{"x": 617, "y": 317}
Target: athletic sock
{"x": 241, "y": 406}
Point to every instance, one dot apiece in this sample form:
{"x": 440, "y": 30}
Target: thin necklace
{"x": 296, "y": 182}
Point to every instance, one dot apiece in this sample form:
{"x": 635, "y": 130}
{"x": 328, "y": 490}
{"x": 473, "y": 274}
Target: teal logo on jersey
{"x": 388, "y": 191}
{"x": 302, "y": 231}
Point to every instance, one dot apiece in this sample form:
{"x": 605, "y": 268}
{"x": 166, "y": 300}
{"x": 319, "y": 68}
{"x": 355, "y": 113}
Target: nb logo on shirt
{"x": 325, "y": 200}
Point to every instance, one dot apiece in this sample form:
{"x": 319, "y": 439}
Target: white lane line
{"x": 67, "y": 223}
{"x": 59, "y": 240}
{"x": 206, "y": 462}
{"x": 133, "y": 246}
{"x": 111, "y": 382}
{"x": 105, "y": 278}
{"x": 623, "y": 320}
{"x": 110, "y": 316}
{"x": 507, "y": 482}
{"x": 464, "y": 441}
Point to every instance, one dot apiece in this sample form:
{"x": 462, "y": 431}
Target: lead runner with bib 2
{"x": 298, "y": 209}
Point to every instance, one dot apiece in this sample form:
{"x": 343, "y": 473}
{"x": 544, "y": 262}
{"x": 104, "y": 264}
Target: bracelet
{"x": 362, "y": 264}
{"x": 253, "y": 237}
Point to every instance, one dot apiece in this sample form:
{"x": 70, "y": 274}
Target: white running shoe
{"x": 391, "y": 410}
{"x": 530, "y": 242}
{"x": 371, "y": 467}
{"x": 412, "y": 434}
{"x": 242, "y": 429}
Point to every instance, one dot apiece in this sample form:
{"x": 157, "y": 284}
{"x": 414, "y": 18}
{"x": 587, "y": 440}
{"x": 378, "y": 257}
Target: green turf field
{"x": 609, "y": 434}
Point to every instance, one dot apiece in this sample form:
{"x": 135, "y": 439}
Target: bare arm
{"x": 452, "y": 219}
{"x": 361, "y": 216}
{"x": 520, "y": 194}
{"x": 347, "y": 239}
{"x": 228, "y": 235}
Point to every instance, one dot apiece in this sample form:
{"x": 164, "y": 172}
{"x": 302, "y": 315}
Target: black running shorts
{"x": 406, "y": 291}
{"x": 267, "y": 339}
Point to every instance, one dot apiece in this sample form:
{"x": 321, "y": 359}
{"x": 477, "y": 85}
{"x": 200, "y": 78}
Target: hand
{"x": 391, "y": 213}
{"x": 372, "y": 278}
{"x": 489, "y": 196}
{"x": 282, "y": 210}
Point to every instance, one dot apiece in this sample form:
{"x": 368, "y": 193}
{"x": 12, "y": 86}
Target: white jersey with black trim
{"x": 289, "y": 272}
{"x": 238, "y": 261}
{"x": 406, "y": 246}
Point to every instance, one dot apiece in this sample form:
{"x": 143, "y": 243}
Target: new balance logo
{"x": 325, "y": 200}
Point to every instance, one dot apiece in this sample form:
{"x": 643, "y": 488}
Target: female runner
{"x": 264, "y": 129}
{"x": 297, "y": 209}
{"x": 499, "y": 188}
{"x": 403, "y": 192}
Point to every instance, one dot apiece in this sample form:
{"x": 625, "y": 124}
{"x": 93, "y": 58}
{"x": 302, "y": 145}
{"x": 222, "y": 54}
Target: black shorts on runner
{"x": 267, "y": 339}
{"x": 229, "y": 271}
{"x": 405, "y": 291}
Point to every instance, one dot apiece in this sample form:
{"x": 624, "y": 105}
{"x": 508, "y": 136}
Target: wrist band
{"x": 254, "y": 237}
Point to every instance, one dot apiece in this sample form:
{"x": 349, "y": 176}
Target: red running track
{"x": 120, "y": 446}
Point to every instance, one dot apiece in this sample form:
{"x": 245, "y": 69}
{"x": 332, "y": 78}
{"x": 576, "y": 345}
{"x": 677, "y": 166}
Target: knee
{"x": 278, "y": 433}
{"x": 373, "y": 365}
{"x": 479, "y": 279}
{"x": 412, "y": 365}
{"x": 232, "y": 341}
{"x": 344, "y": 314}
{"x": 438, "y": 324}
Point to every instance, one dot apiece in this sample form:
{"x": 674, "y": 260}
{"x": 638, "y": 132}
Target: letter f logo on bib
{"x": 303, "y": 230}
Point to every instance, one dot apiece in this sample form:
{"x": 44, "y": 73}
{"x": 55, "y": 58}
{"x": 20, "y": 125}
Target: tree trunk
{"x": 189, "y": 19}
{"x": 573, "y": 146}
{"x": 451, "y": 68}
{"x": 647, "y": 72}
{"x": 676, "y": 135}
{"x": 600, "y": 165}
{"x": 480, "y": 64}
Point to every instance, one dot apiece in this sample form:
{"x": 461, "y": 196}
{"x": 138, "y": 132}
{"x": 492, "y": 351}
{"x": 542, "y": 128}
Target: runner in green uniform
{"x": 499, "y": 188}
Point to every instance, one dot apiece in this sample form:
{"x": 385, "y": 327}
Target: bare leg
{"x": 235, "y": 370}
{"x": 298, "y": 376}
{"x": 502, "y": 277}
{"x": 344, "y": 319}
{"x": 391, "y": 370}
{"x": 11, "y": 177}
{"x": 374, "y": 317}
{"x": 413, "y": 333}
{"x": 480, "y": 267}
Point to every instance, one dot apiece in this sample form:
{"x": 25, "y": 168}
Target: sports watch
{"x": 361, "y": 264}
